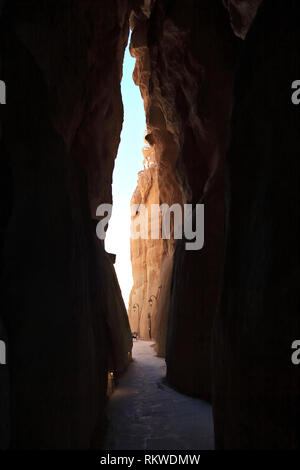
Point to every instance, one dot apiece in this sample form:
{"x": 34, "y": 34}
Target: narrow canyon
{"x": 215, "y": 78}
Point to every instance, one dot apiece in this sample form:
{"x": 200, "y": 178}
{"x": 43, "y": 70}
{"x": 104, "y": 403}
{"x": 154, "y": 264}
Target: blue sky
{"x": 128, "y": 163}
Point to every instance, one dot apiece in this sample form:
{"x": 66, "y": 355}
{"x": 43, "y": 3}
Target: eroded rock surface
{"x": 256, "y": 392}
{"x": 148, "y": 255}
{"x": 185, "y": 54}
{"x": 62, "y": 63}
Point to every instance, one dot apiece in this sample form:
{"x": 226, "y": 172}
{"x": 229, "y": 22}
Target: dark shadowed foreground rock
{"x": 185, "y": 53}
{"x": 257, "y": 388}
{"x": 62, "y": 64}
{"x": 191, "y": 52}
{"x": 194, "y": 294}
{"x": 119, "y": 332}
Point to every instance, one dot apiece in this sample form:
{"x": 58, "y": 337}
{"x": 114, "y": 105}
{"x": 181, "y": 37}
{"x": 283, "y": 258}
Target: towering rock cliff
{"x": 185, "y": 54}
{"x": 62, "y": 64}
{"x": 147, "y": 254}
{"x": 257, "y": 388}
{"x": 163, "y": 186}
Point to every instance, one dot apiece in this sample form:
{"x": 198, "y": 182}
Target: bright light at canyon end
{"x": 128, "y": 163}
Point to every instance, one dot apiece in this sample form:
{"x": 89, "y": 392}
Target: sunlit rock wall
{"x": 147, "y": 254}
{"x": 146, "y": 258}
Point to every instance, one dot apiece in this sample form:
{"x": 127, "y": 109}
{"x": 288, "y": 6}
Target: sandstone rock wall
{"x": 185, "y": 62}
{"x": 257, "y": 388}
{"x": 146, "y": 258}
{"x": 62, "y": 63}
{"x": 5, "y": 214}
{"x": 161, "y": 325}
{"x": 147, "y": 255}
{"x": 60, "y": 302}
{"x": 163, "y": 186}
{"x": 185, "y": 55}
{"x": 119, "y": 334}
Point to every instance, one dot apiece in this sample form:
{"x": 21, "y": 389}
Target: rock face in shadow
{"x": 161, "y": 326}
{"x": 4, "y": 390}
{"x": 119, "y": 334}
{"x": 185, "y": 54}
{"x": 5, "y": 214}
{"x": 194, "y": 293}
{"x": 257, "y": 388}
{"x": 62, "y": 64}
